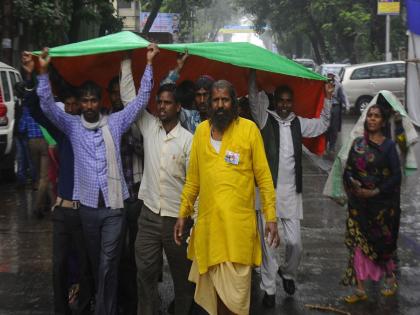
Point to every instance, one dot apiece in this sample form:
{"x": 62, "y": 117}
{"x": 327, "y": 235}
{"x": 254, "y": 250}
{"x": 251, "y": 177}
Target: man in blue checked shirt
{"x": 99, "y": 183}
{"x": 38, "y": 149}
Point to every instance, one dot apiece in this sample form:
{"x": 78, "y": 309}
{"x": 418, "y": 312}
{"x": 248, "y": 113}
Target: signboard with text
{"x": 388, "y": 7}
{"x": 163, "y": 23}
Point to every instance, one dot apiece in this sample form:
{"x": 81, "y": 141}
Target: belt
{"x": 72, "y": 204}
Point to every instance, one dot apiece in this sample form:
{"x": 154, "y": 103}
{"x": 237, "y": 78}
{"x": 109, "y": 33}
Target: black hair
{"x": 114, "y": 81}
{"x": 168, "y": 87}
{"x": 204, "y": 82}
{"x": 67, "y": 93}
{"x": 90, "y": 88}
{"x": 280, "y": 90}
{"x": 185, "y": 94}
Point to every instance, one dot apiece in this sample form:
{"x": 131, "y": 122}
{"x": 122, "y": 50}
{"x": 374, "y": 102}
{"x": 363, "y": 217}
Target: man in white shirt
{"x": 167, "y": 147}
{"x": 282, "y": 133}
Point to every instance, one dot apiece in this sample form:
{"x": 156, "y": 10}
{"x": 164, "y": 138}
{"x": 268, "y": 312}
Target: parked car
{"x": 8, "y": 78}
{"x": 307, "y": 63}
{"x": 363, "y": 81}
{"x": 335, "y": 68}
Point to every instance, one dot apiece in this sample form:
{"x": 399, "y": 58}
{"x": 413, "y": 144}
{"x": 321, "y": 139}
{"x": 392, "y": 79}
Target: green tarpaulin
{"x": 99, "y": 60}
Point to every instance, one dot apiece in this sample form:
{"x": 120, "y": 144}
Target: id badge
{"x": 232, "y": 157}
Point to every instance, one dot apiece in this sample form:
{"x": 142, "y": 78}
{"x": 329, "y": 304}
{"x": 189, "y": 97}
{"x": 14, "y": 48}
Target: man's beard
{"x": 221, "y": 118}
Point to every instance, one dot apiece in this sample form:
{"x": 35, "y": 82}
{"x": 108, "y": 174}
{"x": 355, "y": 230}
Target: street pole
{"x": 388, "y": 55}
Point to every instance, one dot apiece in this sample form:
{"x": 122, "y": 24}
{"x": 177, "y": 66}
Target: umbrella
{"x": 99, "y": 60}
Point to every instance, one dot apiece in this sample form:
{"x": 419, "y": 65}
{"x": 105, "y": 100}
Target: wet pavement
{"x": 26, "y": 246}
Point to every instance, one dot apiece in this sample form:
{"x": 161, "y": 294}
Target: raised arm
{"x": 313, "y": 127}
{"x": 127, "y": 88}
{"x": 173, "y": 75}
{"x": 258, "y": 101}
{"x": 59, "y": 118}
{"x": 123, "y": 119}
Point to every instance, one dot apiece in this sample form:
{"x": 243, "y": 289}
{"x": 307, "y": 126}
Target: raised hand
{"x": 44, "y": 60}
{"x": 152, "y": 51}
{"x": 180, "y": 60}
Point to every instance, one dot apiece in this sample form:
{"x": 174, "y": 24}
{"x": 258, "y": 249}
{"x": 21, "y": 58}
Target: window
{"x": 400, "y": 70}
{"x": 361, "y": 74}
{"x": 5, "y": 84}
{"x": 123, "y": 4}
{"x": 12, "y": 80}
{"x": 384, "y": 71}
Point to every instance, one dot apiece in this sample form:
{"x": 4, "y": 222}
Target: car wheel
{"x": 362, "y": 103}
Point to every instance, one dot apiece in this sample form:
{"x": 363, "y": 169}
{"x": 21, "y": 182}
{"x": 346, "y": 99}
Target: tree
{"x": 54, "y": 22}
{"x": 335, "y": 29}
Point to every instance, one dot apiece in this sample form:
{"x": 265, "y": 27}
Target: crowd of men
{"x": 186, "y": 182}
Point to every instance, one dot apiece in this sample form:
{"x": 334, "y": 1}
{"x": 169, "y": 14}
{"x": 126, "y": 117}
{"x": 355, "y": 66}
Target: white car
{"x": 363, "y": 81}
{"x": 8, "y": 78}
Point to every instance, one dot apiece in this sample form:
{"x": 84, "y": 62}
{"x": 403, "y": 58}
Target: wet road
{"x": 25, "y": 255}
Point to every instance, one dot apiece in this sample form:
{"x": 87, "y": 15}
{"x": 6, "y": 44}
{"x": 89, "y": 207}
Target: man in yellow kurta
{"x": 227, "y": 159}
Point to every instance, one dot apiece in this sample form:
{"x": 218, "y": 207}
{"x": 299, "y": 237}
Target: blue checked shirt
{"x": 90, "y": 168}
{"x": 28, "y": 126}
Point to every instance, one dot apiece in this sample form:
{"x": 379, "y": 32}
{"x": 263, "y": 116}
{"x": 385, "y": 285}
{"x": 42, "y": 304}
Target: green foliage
{"x": 49, "y": 21}
{"x": 333, "y": 30}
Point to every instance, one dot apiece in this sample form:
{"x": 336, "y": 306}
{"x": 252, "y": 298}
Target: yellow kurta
{"x": 226, "y": 227}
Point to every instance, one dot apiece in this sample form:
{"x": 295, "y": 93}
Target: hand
{"x": 152, "y": 51}
{"x": 179, "y": 230}
{"x": 180, "y": 60}
{"x": 329, "y": 90}
{"x": 44, "y": 60}
{"x": 272, "y": 234}
{"x": 28, "y": 63}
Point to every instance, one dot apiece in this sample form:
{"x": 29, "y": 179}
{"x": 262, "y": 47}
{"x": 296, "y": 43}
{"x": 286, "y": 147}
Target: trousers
{"x": 68, "y": 236}
{"x": 291, "y": 237}
{"x": 102, "y": 229}
{"x": 156, "y": 233}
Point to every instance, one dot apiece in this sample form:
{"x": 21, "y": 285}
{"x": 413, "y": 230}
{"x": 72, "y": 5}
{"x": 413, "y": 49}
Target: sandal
{"x": 390, "y": 289}
{"x": 358, "y": 296}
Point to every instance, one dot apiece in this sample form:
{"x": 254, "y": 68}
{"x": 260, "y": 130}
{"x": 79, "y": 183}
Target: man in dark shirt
{"x": 67, "y": 226}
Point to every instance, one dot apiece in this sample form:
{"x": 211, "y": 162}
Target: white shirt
{"x": 288, "y": 202}
{"x": 166, "y": 158}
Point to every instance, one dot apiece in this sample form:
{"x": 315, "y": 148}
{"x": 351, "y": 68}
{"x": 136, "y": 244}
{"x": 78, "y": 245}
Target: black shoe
{"x": 269, "y": 301}
{"x": 288, "y": 284}
{"x": 171, "y": 307}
